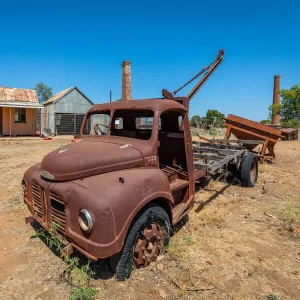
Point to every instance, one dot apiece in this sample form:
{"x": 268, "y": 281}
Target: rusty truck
{"x": 130, "y": 177}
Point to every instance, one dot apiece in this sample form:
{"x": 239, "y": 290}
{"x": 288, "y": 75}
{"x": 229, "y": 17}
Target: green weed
{"x": 84, "y": 293}
{"x": 272, "y": 296}
{"x": 81, "y": 275}
{"x": 188, "y": 240}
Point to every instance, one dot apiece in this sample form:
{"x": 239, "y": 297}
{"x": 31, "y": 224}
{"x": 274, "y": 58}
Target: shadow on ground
{"x": 204, "y": 182}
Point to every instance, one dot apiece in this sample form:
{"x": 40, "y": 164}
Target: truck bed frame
{"x": 213, "y": 158}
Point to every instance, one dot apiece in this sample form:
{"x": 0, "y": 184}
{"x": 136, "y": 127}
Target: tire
{"x": 249, "y": 170}
{"x": 153, "y": 215}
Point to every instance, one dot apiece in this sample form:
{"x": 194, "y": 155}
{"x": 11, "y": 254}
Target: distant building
{"x": 18, "y": 111}
{"x": 64, "y": 112}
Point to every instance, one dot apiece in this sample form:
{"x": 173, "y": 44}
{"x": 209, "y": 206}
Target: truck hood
{"x": 87, "y": 158}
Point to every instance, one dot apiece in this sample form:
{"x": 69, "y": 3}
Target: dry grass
{"x": 291, "y": 218}
{"x": 236, "y": 243}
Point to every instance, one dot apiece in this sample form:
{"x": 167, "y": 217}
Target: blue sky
{"x": 82, "y": 43}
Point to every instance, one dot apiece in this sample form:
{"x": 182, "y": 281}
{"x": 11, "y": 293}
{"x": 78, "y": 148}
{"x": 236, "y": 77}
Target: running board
{"x": 181, "y": 210}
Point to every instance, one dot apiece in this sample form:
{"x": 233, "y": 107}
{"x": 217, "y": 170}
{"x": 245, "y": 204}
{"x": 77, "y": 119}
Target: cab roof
{"x": 155, "y": 104}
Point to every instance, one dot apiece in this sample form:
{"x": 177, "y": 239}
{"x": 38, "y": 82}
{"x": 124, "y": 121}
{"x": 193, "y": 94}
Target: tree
{"x": 266, "y": 122}
{"x": 43, "y": 91}
{"x": 290, "y": 104}
{"x": 195, "y": 121}
{"x": 215, "y": 117}
{"x": 289, "y": 109}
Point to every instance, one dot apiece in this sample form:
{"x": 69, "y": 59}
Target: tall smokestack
{"x": 126, "y": 80}
{"x": 276, "y": 99}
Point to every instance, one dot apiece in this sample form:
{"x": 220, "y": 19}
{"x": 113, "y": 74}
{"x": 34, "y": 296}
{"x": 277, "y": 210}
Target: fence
{"x": 58, "y": 123}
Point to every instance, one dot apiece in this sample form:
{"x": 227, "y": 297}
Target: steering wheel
{"x": 97, "y": 126}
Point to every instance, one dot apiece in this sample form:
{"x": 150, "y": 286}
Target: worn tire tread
{"x": 246, "y": 168}
{"x": 141, "y": 220}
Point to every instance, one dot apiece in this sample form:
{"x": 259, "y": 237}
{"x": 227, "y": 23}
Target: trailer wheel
{"x": 249, "y": 170}
{"x": 146, "y": 239}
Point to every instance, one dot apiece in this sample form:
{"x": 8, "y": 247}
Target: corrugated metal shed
{"x": 290, "y": 134}
{"x": 16, "y": 94}
{"x": 65, "y": 111}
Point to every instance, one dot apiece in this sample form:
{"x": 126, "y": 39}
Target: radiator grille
{"x": 58, "y": 214}
{"x": 37, "y": 195}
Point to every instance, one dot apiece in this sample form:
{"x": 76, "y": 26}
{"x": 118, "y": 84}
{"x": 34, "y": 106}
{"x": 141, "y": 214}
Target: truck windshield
{"x": 97, "y": 124}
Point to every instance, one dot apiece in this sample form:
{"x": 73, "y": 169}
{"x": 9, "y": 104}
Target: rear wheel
{"x": 249, "y": 170}
{"x": 146, "y": 239}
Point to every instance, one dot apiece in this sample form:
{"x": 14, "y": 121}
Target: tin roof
{"x": 63, "y": 93}
{"x": 16, "y": 94}
{"x": 59, "y": 95}
{"x": 288, "y": 130}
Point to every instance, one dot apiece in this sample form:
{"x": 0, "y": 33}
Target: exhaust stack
{"x": 126, "y": 80}
{"x": 276, "y": 99}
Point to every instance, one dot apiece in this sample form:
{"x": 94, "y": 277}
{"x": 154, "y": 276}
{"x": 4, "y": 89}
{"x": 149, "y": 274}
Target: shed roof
{"x": 19, "y": 95}
{"x": 63, "y": 93}
{"x": 288, "y": 130}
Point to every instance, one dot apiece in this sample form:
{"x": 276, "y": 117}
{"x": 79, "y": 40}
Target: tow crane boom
{"x": 208, "y": 70}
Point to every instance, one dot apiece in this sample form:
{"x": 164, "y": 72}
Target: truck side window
{"x": 180, "y": 123}
{"x": 118, "y": 123}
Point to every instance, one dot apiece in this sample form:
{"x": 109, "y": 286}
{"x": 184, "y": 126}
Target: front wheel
{"x": 249, "y": 170}
{"x": 146, "y": 239}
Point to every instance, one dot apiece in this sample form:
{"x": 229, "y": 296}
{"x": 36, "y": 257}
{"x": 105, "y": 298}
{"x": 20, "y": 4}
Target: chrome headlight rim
{"x": 24, "y": 185}
{"x": 86, "y": 221}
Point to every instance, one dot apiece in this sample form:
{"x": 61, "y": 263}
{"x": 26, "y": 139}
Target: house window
{"x": 20, "y": 115}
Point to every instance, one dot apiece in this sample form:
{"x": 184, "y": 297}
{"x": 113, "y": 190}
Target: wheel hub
{"x": 148, "y": 245}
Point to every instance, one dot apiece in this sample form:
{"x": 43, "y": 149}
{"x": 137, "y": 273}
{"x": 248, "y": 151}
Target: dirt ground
{"x": 237, "y": 243}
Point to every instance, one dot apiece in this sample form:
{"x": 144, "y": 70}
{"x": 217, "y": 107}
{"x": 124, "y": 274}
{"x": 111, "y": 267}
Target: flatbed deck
{"x": 214, "y": 157}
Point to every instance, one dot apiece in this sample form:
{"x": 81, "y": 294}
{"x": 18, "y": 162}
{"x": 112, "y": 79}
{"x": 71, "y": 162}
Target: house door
{"x": 1, "y": 121}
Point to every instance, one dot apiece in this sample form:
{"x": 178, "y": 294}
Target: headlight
{"x": 85, "y": 220}
{"x": 24, "y": 185}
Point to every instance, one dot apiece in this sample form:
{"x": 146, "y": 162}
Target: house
{"x": 64, "y": 112}
{"x": 18, "y": 111}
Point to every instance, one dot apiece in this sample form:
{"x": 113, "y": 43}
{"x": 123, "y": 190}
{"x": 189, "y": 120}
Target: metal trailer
{"x": 251, "y": 134}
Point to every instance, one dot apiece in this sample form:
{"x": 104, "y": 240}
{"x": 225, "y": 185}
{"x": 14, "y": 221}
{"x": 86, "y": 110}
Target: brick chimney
{"x": 276, "y": 99}
{"x": 126, "y": 80}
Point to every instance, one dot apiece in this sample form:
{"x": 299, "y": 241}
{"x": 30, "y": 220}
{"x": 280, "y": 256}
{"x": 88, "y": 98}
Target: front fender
{"x": 126, "y": 192}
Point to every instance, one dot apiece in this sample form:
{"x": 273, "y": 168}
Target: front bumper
{"x": 68, "y": 246}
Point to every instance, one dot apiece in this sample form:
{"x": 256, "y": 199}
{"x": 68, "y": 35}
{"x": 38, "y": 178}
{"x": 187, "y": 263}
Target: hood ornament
{"x": 62, "y": 149}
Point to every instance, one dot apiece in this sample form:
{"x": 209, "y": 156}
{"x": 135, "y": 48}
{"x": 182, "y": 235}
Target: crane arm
{"x": 208, "y": 70}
